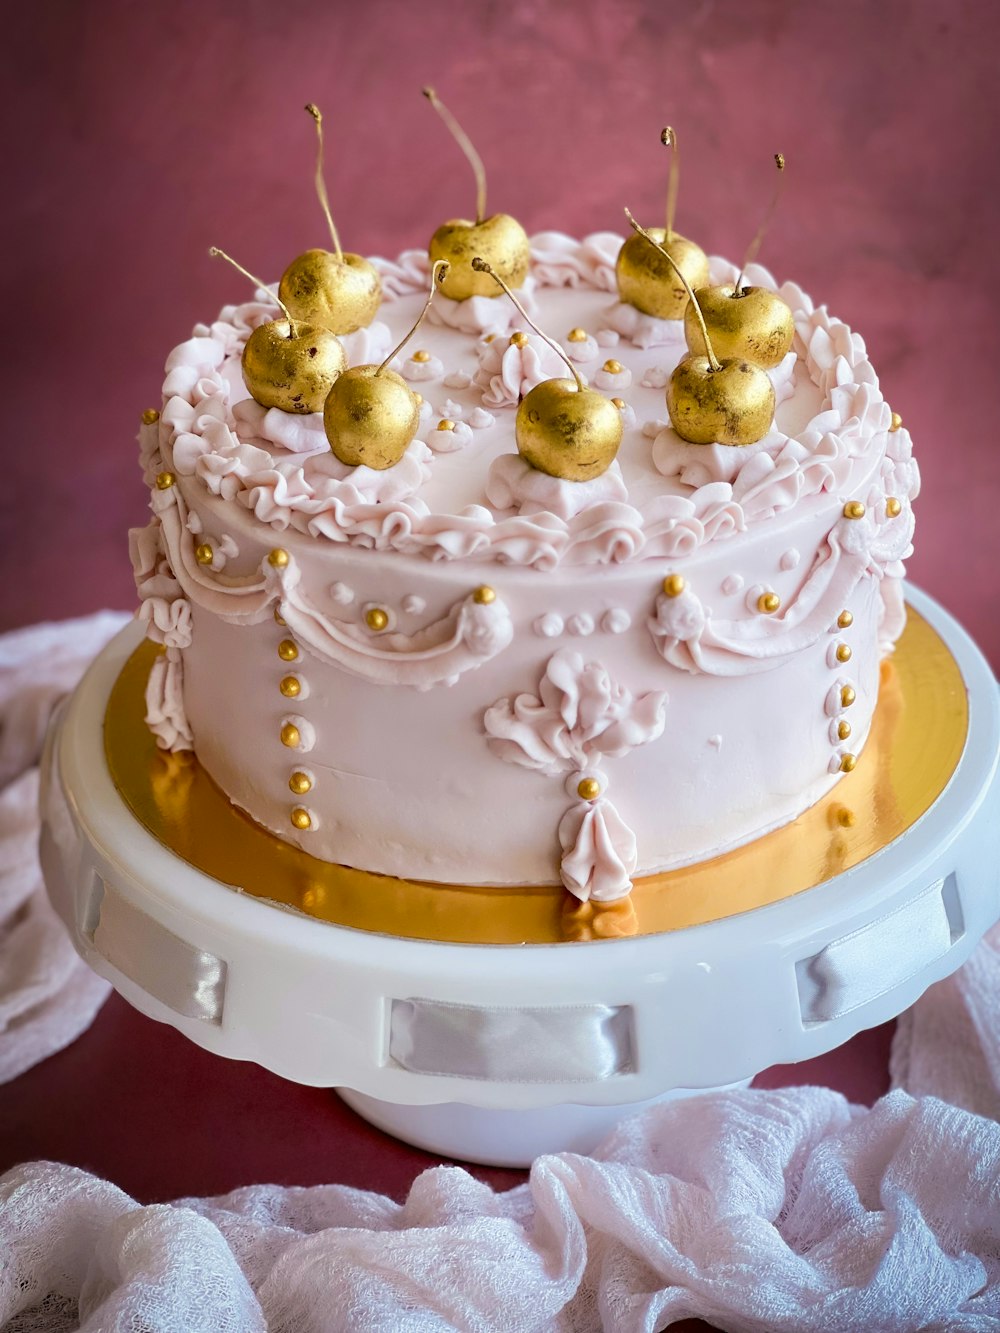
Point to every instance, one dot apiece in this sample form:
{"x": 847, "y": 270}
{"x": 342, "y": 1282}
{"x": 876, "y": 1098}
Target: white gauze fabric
{"x": 47, "y": 995}
{"x": 782, "y": 1211}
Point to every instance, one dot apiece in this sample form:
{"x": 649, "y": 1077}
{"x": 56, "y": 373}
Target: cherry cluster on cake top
{"x": 719, "y": 393}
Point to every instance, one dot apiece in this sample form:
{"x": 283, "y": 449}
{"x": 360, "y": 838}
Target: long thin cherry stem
{"x": 713, "y": 360}
{"x": 754, "y": 246}
{"x": 438, "y": 273}
{"x": 216, "y": 253}
{"x": 668, "y": 138}
{"x": 481, "y": 266}
{"x": 467, "y": 147}
{"x": 324, "y": 199}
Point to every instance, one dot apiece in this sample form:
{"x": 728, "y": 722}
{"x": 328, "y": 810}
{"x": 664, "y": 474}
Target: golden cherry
{"x": 648, "y": 281}
{"x": 291, "y": 365}
{"x": 752, "y": 324}
{"x": 730, "y": 404}
{"x": 370, "y": 417}
{"x": 341, "y": 294}
{"x": 500, "y": 240}
{"x": 567, "y": 431}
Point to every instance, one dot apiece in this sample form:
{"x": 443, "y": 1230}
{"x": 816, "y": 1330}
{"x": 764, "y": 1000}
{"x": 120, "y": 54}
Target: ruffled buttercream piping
{"x": 599, "y": 852}
{"x": 166, "y": 715}
{"x": 828, "y": 456}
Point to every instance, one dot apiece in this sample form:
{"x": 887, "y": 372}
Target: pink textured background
{"x": 142, "y": 133}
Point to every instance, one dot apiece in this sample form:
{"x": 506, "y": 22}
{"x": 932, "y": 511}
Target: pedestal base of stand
{"x": 504, "y": 1138}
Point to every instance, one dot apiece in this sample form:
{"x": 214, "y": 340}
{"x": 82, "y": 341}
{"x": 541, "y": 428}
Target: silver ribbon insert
{"x": 570, "y": 1044}
{"x": 190, "y": 981}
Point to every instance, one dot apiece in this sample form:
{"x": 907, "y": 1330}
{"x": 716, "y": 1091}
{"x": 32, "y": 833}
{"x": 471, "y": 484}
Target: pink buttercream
{"x": 514, "y": 483}
{"x": 507, "y": 372}
{"x": 599, "y": 852}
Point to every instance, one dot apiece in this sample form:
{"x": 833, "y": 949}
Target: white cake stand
{"x": 498, "y": 1052}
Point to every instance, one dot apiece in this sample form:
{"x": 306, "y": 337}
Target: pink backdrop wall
{"x": 141, "y": 133}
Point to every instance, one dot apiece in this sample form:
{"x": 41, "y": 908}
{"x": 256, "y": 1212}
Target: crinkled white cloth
{"x": 47, "y": 995}
{"x": 787, "y": 1210}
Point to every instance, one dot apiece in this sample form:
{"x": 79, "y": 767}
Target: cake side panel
{"x": 409, "y": 781}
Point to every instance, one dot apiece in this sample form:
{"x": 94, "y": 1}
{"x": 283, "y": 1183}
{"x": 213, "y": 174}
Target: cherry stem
{"x": 481, "y": 266}
{"x": 438, "y": 274}
{"x": 466, "y": 145}
{"x": 713, "y": 360}
{"x": 754, "y": 246}
{"x": 324, "y": 199}
{"x": 668, "y": 138}
{"x": 216, "y": 253}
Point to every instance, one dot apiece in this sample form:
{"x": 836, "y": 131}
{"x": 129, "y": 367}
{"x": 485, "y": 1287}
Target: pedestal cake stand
{"x": 493, "y": 1024}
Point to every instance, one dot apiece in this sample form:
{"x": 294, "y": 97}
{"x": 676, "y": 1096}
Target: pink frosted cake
{"x": 465, "y": 670}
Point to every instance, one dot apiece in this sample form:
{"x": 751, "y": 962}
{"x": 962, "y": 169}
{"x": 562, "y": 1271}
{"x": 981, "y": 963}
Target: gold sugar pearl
{"x": 446, "y": 423}
{"x": 279, "y": 619}
{"x": 895, "y": 423}
{"x": 613, "y": 367}
{"x": 847, "y": 696}
{"x": 204, "y": 554}
{"x": 484, "y": 595}
{"x": 489, "y": 338}
{"x": 376, "y": 619}
{"x": 854, "y": 509}
{"x": 674, "y": 585}
{"x": 589, "y": 789}
{"x": 287, "y": 650}
{"x": 150, "y": 417}
{"x": 164, "y": 481}
{"x": 290, "y": 687}
{"x": 848, "y": 762}
{"x": 845, "y": 620}
{"x": 619, "y": 403}
{"x": 843, "y": 653}
{"x": 893, "y": 508}
{"x": 768, "y": 603}
{"x": 843, "y": 729}
{"x": 421, "y": 356}
{"x": 278, "y": 558}
{"x": 300, "y": 783}
{"x": 290, "y": 735}
{"x": 577, "y": 336}
{"x": 518, "y": 338}
{"x": 301, "y": 819}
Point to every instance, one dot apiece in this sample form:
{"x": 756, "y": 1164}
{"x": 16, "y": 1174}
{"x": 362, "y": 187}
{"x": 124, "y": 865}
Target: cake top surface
{"x": 461, "y": 491}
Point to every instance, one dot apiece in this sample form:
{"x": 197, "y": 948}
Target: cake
{"x": 464, "y": 670}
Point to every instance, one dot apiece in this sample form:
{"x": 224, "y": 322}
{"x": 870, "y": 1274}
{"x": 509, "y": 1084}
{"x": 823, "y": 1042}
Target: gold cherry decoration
{"x": 338, "y": 291}
{"x": 645, "y": 278}
{"x": 288, "y": 363}
{"x": 711, "y": 401}
{"x": 500, "y": 239}
{"x": 562, "y": 427}
{"x": 747, "y": 322}
{"x": 371, "y": 414}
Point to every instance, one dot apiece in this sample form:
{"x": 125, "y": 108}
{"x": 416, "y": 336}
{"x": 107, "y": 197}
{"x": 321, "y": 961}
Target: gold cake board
{"x": 917, "y": 739}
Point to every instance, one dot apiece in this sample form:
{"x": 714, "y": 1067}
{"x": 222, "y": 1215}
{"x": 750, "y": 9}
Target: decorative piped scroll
{"x": 686, "y": 635}
{"x": 580, "y": 716}
{"x": 475, "y": 629}
{"x": 167, "y": 616}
